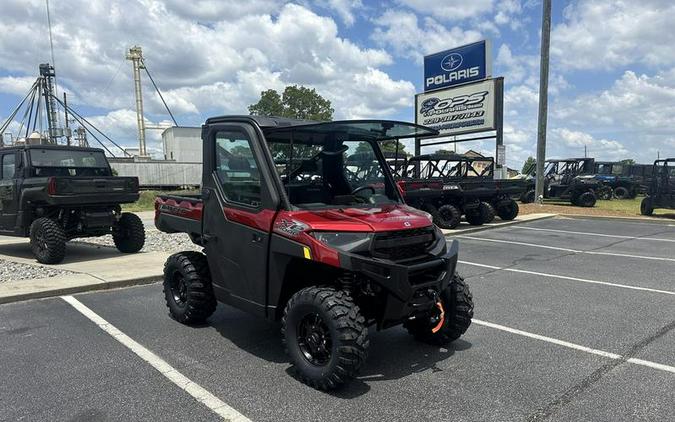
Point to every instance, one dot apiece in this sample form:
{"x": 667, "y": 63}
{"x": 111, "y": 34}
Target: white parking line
{"x": 534, "y": 245}
{"x": 609, "y": 355}
{"x": 564, "y": 277}
{"x": 216, "y": 405}
{"x": 655, "y": 239}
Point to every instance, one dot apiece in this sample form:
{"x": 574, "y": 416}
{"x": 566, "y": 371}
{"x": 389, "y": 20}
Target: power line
{"x": 159, "y": 92}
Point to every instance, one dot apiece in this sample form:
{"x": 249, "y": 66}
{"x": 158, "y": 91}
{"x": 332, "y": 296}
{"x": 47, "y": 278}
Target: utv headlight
{"x": 346, "y": 241}
{"x": 450, "y": 187}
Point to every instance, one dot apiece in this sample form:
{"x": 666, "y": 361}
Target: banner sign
{"x": 468, "y": 63}
{"x": 458, "y": 110}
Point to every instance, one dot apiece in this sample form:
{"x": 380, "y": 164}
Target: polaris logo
{"x": 451, "y": 62}
{"x": 456, "y": 76}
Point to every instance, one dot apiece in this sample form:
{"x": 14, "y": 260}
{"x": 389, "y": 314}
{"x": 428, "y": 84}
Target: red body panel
{"x": 261, "y": 220}
{"x": 185, "y": 209}
{"x": 376, "y": 219}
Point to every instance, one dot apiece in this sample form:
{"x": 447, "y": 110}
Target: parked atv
{"x": 565, "y": 180}
{"x": 311, "y": 243}
{"x": 661, "y": 193}
{"x": 615, "y": 175}
{"x": 55, "y": 193}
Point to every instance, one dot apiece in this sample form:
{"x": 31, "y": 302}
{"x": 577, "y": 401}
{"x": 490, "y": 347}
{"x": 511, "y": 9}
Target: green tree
{"x": 529, "y": 165}
{"x": 628, "y": 162}
{"x": 296, "y": 102}
{"x": 445, "y": 151}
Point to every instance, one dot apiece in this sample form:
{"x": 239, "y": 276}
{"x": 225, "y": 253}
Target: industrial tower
{"x": 135, "y": 54}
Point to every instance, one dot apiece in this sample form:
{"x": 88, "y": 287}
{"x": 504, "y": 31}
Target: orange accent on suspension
{"x": 438, "y": 326}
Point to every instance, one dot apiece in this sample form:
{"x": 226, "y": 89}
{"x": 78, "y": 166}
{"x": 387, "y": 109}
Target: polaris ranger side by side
{"x": 310, "y": 245}
{"x": 617, "y": 177}
{"x": 55, "y": 193}
{"x": 661, "y": 192}
{"x": 567, "y": 179}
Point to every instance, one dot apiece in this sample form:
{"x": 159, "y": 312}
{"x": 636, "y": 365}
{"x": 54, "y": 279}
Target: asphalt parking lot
{"x": 575, "y": 320}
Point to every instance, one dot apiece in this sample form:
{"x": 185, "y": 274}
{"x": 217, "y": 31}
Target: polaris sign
{"x": 468, "y": 63}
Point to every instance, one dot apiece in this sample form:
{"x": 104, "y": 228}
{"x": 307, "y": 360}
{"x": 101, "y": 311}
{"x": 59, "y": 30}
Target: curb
{"x": 88, "y": 287}
{"x": 506, "y": 224}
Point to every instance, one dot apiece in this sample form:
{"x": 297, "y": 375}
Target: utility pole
{"x": 585, "y": 152}
{"x": 543, "y": 99}
{"x": 65, "y": 111}
{"x": 135, "y": 54}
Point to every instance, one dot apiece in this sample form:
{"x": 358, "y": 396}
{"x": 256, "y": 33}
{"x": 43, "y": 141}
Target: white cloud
{"x": 571, "y": 142}
{"x": 606, "y": 34}
{"x": 206, "y": 58}
{"x": 449, "y": 9}
{"x": 401, "y": 32}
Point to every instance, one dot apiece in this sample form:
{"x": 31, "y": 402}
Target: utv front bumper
{"x": 410, "y": 289}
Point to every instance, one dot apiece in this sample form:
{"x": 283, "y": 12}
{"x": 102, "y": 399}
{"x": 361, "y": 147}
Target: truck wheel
{"x": 448, "y": 217}
{"x": 621, "y": 193}
{"x": 508, "y": 211}
{"x": 647, "y": 206}
{"x": 528, "y": 197}
{"x": 187, "y": 287}
{"x": 449, "y": 323}
{"x": 325, "y": 336}
{"x": 129, "y": 233}
{"x": 488, "y": 212}
{"x": 47, "y": 241}
{"x": 586, "y": 199}
{"x": 474, "y": 216}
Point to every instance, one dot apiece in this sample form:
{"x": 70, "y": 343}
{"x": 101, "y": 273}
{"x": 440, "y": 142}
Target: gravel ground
{"x": 12, "y": 271}
{"x": 155, "y": 241}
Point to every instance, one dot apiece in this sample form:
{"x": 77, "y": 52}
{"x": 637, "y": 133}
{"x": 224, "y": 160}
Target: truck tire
{"x": 187, "y": 287}
{"x": 621, "y": 193}
{"x": 47, "y": 241}
{"x": 325, "y": 336}
{"x": 129, "y": 233}
{"x": 488, "y": 212}
{"x": 457, "y": 303}
{"x": 508, "y": 212}
{"x": 527, "y": 197}
{"x": 647, "y": 206}
{"x": 586, "y": 199}
{"x": 448, "y": 217}
{"x": 474, "y": 216}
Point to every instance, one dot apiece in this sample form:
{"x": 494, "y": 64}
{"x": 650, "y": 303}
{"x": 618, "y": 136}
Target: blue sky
{"x": 612, "y": 70}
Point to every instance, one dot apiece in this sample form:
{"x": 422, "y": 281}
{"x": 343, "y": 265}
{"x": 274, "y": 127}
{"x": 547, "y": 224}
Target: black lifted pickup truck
{"x": 291, "y": 233}
{"x": 55, "y": 193}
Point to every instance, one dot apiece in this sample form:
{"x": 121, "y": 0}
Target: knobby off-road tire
{"x": 325, "y": 336}
{"x": 488, "y": 212}
{"x": 647, "y": 206}
{"x": 528, "y": 197}
{"x": 129, "y": 233}
{"x": 47, "y": 241}
{"x": 586, "y": 199}
{"x": 458, "y": 305}
{"x": 508, "y": 211}
{"x": 448, "y": 217}
{"x": 621, "y": 193}
{"x": 187, "y": 288}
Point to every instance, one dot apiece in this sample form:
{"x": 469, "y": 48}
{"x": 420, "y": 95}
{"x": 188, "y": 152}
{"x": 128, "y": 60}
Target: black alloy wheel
{"x": 314, "y": 339}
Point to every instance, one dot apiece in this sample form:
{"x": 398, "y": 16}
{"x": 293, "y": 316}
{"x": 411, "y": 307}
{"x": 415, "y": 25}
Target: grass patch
{"x": 146, "y": 202}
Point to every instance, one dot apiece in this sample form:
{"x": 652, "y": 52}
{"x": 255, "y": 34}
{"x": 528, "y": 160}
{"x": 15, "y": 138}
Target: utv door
{"x": 9, "y": 201}
{"x": 239, "y": 209}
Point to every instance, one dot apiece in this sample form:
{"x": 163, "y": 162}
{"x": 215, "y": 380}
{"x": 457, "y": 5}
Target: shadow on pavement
{"x": 393, "y": 354}
{"x": 75, "y": 252}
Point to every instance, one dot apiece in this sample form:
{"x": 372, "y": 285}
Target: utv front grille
{"x": 403, "y": 245}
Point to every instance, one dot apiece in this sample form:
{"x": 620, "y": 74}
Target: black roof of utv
{"x": 374, "y": 130}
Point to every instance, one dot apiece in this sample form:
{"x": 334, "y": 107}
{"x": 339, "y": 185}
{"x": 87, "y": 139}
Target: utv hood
{"x": 375, "y": 219}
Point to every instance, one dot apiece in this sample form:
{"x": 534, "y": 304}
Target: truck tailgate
{"x": 179, "y": 214}
{"x": 98, "y": 185}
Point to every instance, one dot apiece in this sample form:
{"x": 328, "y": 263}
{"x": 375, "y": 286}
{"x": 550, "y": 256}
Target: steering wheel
{"x": 360, "y": 188}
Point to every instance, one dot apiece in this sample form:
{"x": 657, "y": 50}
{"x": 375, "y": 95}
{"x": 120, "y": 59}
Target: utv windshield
{"x": 337, "y": 164}
{"x": 67, "y": 162}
